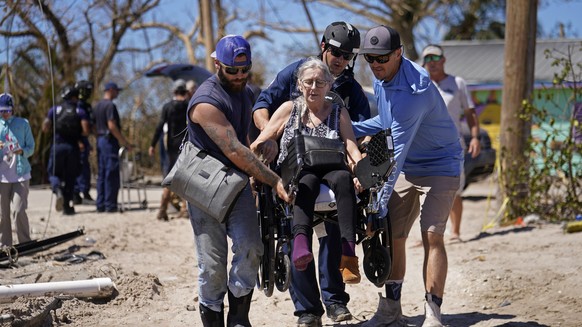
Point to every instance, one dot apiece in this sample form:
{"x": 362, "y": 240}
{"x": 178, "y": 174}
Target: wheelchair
{"x": 373, "y": 232}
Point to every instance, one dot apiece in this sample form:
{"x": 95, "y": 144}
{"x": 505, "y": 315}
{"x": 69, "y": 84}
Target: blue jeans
{"x": 304, "y": 290}
{"x": 212, "y": 251}
{"x": 108, "y": 180}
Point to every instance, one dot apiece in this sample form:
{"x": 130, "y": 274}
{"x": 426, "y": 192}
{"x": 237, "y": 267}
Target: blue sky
{"x": 276, "y": 54}
{"x": 558, "y": 11}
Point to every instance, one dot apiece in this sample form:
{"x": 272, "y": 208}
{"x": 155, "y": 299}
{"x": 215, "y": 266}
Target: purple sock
{"x": 349, "y": 248}
{"x": 301, "y": 254}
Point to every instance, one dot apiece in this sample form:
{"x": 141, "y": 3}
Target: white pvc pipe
{"x": 96, "y": 288}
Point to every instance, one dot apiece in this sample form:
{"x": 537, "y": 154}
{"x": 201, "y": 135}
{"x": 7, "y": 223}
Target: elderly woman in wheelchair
{"x": 315, "y": 135}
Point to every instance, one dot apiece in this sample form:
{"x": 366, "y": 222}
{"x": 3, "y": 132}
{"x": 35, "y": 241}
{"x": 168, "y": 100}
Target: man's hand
{"x": 267, "y": 151}
{"x": 151, "y": 151}
{"x": 474, "y": 147}
{"x": 358, "y": 186}
{"x": 282, "y": 193}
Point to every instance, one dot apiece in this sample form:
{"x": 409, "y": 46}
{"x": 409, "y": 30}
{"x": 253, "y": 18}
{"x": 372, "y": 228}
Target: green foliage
{"x": 552, "y": 173}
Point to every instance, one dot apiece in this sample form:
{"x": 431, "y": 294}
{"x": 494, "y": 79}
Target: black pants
{"x": 63, "y": 168}
{"x": 341, "y": 183}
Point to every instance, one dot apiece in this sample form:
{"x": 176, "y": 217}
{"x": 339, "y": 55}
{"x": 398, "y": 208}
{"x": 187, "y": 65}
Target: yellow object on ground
{"x": 573, "y": 227}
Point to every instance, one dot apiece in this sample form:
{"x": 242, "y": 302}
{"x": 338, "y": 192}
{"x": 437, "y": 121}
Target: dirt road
{"x": 511, "y": 276}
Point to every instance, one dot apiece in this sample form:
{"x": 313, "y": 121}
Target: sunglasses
{"x": 231, "y": 70}
{"x": 339, "y": 53}
{"x": 5, "y": 111}
{"x": 319, "y": 83}
{"x": 380, "y": 59}
{"x": 430, "y": 58}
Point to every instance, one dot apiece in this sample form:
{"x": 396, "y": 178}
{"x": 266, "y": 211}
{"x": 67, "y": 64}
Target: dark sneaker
{"x": 87, "y": 196}
{"x": 77, "y": 199}
{"x": 309, "y": 320}
{"x": 338, "y": 312}
{"x": 69, "y": 211}
{"x": 87, "y": 199}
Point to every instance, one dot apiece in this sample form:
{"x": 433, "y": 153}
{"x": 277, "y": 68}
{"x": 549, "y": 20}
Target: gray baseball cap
{"x": 380, "y": 40}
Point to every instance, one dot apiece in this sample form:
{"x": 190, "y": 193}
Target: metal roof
{"x": 481, "y": 62}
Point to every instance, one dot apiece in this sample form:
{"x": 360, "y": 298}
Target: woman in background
{"x": 16, "y": 146}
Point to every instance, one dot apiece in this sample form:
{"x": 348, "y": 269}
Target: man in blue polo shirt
{"x": 428, "y": 157}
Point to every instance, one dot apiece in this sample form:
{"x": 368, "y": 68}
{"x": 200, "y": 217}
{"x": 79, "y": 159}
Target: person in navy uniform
{"x": 109, "y": 140}
{"x": 69, "y": 123}
{"x": 83, "y": 183}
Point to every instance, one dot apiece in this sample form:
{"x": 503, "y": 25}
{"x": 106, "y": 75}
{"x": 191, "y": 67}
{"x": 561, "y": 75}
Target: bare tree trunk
{"x": 517, "y": 86}
{"x": 221, "y": 16}
{"x": 311, "y": 24}
{"x": 207, "y": 32}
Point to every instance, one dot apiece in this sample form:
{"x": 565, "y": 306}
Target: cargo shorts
{"x": 427, "y": 197}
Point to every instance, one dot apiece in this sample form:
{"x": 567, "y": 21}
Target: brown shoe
{"x": 184, "y": 214}
{"x": 350, "y": 270}
{"x": 162, "y": 215}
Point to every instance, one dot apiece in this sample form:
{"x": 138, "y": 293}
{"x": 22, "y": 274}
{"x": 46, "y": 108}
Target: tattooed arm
{"x": 219, "y": 129}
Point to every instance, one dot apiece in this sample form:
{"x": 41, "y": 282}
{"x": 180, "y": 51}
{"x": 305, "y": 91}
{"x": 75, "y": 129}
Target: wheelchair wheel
{"x": 282, "y": 268}
{"x": 377, "y": 265}
{"x": 377, "y": 254}
{"x": 266, "y": 278}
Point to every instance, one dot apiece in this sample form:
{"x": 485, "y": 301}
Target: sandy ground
{"x": 504, "y": 276}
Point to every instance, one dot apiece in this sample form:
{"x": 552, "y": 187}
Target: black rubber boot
{"x": 238, "y": 312}
{"x": 67, "y": 208}
{"x": 211, "y": 318}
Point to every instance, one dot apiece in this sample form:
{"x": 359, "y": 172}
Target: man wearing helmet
{"x": 83, "y": 183}
{"x": 339, "y": 48}
{"x": 70, "y": 124}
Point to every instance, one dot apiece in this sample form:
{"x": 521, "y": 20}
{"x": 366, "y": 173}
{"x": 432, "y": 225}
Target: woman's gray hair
{"x": 314, "y": 63}
{"x": 310, "y": 63}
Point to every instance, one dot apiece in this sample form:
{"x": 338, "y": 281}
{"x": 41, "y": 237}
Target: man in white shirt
{"x": 453, "y": 89}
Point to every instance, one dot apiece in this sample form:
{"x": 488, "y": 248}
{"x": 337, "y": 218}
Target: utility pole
{"x": 207, "y": 32}
{"x": 520, "y": 34}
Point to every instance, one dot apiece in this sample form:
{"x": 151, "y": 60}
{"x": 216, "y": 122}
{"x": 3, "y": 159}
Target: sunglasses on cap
{"x": 339, "y": 53}
{"x": 429, "y": 58}
{"x": 233, "y": 70}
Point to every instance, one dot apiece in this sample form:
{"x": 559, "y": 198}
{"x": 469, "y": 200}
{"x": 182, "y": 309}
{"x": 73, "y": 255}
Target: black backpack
{"x": 68, "y": 122}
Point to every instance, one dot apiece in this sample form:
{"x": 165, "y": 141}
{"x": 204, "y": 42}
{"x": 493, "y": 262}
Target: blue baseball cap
{"x": 112, "y": 86}
{"x": 6, "y": 102}
{"x": 231, "y": 46}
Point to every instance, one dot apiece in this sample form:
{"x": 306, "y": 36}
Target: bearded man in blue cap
{"x": 219, "y": 115}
